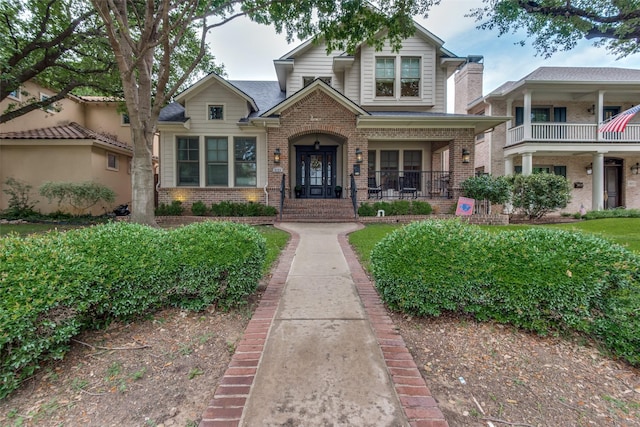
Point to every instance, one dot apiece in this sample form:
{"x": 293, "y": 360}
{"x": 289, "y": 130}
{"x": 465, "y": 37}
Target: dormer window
{"x": 410, "y": 76}
{"x": 385, "y": 76}
{"x": 216, "y": 112}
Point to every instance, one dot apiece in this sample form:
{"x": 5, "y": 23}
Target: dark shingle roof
{"x": 71, "y": 131}
{"x": 266, "y": 94}
{"x": 173, "y": 112}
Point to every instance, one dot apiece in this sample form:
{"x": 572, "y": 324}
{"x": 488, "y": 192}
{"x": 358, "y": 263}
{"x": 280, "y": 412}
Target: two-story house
{"x": 377, "y": 116}
{"x": 556, "y": 114}
{"x": 77, "y": 139}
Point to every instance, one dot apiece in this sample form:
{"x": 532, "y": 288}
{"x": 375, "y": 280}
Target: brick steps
{"x": 318, "y": 210}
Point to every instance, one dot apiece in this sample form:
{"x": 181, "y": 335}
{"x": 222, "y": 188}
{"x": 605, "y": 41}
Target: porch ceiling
{"x": 571, "y": 149}
{"x": 478, "y": 123}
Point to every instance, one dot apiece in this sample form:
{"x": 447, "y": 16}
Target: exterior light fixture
{"x": 276, "y": 156}
{"x": 635, "y": 169}
{"x": 465, "y": 155}
{"x": 358, "y": 155}
{"x": 316, "y": 145}
{"x": 589, "y": 168}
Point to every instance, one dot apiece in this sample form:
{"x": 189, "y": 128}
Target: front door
{"x": 612, "y": 184}
{"x": 316, "y": 172}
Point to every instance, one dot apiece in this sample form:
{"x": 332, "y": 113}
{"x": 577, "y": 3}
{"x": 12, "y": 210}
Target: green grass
{"x": 624, "y": 231}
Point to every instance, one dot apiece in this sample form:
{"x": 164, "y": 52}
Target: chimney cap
{"x": 475, "y": 59}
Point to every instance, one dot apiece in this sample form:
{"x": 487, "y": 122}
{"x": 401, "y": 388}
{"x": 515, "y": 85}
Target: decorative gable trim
{"x": 321, "y": 86}
{"x": 211, "y": 78}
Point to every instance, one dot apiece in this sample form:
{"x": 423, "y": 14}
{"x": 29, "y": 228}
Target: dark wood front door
{"x": 612, "y": 185}
{"x": 316, "y": 172}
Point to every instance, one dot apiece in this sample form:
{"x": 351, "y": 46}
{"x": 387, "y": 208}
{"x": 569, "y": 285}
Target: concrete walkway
{"x": 320, "y": 349}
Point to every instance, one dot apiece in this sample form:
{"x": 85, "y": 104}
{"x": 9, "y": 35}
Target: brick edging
{"x": 228, "y": 403}
{"x": 417, "y": 402}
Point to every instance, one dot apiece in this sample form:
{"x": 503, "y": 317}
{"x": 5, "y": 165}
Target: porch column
{"x": 526, "y": 120}
{"x": 599, "y": 113}
{"x": 508, "y": 166}
{"x": 527, "y": 164}
{"x": 597, "y": 192}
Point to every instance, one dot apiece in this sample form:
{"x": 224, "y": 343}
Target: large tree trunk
{"x": 142, "y": 185}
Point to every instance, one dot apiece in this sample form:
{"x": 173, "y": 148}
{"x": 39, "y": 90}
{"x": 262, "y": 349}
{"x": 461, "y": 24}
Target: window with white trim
{"x": 215, "y": 112}
{"x": 188, "y": 161}
{"x": 112, "y": 161}
{"x": 15, "y": 94}
{"x": 217, "y": 168}
{"x": 49, "y": 108}
{"x": 385, "y": 76}
{"x": 410, "y": 76}
{"x": 124, "y": 119}
{"x": 245, "y": 161}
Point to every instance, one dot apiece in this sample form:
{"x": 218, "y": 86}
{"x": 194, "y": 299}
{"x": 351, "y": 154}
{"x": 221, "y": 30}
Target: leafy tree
{"x": 496, "y": 190}
{"x": 149, "y": 36}
{"x": 559, "y": 24}
{"x": 58, "y": 43}
{"x": 540, "y": 193}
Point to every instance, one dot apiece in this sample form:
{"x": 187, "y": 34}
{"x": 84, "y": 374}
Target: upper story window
{"x": 410, "y": 76}
{"x": 112, "y": 162}
{"x": 49, "y": 108}
{"x": 215, "y": 112}
{"x": 307, "y": 80}
{"x": 385, "y": 76}
{"x": 124, "y": 119}
{"x": 15, "y": 94}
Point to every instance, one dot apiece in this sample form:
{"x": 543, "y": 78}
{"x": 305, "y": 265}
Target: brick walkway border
{"x": 229, "y": 399}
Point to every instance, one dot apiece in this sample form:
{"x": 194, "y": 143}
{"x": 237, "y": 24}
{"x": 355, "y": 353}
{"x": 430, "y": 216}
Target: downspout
{"x": 266, "y": 181}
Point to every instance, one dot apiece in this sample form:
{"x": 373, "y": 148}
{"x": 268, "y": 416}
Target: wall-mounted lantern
{"x": 465, "y": 155}
{"x": 635, "y": 169}
{"x": 358, "y": 155}
{"x": 589, "y": 169}
{"x": 276, "y": 156}
{"x": 316, "y": 145}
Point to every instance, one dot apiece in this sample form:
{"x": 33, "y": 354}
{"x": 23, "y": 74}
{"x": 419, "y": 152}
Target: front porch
{"x": 411, "y": 184}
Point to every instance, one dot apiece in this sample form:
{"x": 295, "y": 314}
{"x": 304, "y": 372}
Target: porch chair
{"x": 374, "y": 189}
{"x": 409, "y": 185}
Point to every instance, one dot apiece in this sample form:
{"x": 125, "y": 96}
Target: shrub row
{"x": 613, "y": 213}
{"x": 57, "y": 284}
{"x": 541, "y": 280}
{"x": 223, "y": 208}
{"x": 397, "y": 207}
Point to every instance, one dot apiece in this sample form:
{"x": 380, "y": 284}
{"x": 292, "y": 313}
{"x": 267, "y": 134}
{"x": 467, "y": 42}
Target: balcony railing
{"x": 409, "y": 185}
{"x": 569, "y": 132}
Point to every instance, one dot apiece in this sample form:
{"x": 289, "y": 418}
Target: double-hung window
{"x": 385, "y": 76}
{"x": 188, "y": 163}
{"x": 410, "y": 76}
{"x": 217, "y": 161}
{"x": 245, "y": 161}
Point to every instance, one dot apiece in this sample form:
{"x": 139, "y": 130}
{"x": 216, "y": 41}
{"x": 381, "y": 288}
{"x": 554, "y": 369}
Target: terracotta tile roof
{"x": 71, "y": 131}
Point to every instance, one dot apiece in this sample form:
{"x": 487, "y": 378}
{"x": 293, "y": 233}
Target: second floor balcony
{"x": 570, "y": 132}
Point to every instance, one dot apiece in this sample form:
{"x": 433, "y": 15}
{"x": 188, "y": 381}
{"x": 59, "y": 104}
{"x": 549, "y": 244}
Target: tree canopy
{"x": 554, "y": 25}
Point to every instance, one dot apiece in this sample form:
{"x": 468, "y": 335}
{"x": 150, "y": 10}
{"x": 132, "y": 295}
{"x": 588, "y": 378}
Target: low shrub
{"x": 542, "y": 280}
{"x": 174, "y": 209}
{"x": 613, "y": 213}
{"x": 81, "y": 196}
{"x": 57, "y": 284}
{"x": 396, "y": 207}
{"x": 19, "y": 203}
{"x": 199, "y": 208}
{"x": 226, "y": 208}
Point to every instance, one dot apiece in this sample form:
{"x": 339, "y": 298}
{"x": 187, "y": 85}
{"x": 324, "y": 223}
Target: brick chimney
{"x": 468, "y": 83}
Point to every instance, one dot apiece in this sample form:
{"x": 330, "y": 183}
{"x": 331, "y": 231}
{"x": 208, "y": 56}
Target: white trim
{"x": 50, "y": 108}
{"x": 224, "y": 111}
{"x": 17, "y": 96}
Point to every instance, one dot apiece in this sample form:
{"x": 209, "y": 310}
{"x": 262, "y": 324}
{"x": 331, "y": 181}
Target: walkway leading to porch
{"x": 320, "y": 349}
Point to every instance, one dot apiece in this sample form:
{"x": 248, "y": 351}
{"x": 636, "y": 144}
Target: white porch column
{"x": 508, "y": 166}
{"x": 527, "y": 164}
{"x": 599, "y": 113}
{"x": 526, "y": 119}
{"x": 597, "y": 193}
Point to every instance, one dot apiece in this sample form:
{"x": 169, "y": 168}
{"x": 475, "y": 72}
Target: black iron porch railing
{"x": 354, "y": 196}
{"x": 282, "y": 185}
{"x": 409, "y": 184}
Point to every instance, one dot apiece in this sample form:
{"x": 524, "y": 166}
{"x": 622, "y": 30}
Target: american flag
{"x": 619, "y": 122}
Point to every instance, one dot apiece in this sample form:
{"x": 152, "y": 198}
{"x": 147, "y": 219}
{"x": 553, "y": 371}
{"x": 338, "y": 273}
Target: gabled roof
{"x": 572, "y": 76}
{"x": 317, "y": 84}
{"x": 182, "y": 96}
{"x": 265, "y": 93}
{"x": 71, "y": 131}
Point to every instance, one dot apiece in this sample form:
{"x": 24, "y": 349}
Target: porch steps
{"x": 318, "y": 210}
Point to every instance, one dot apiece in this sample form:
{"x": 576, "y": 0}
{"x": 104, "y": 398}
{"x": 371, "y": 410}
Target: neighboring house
{"x": 377, "y": 115}
{"x": 554, "y": 128}
{"x": 78, "y": 139}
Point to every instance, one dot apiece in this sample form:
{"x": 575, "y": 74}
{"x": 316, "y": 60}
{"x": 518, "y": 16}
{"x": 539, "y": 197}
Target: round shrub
{"x": 539, "y": 279}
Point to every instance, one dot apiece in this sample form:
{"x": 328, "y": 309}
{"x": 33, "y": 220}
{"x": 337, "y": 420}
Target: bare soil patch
{"x": 482, "y": 373}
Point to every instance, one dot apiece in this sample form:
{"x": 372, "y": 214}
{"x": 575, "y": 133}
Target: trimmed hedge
{"x": 542, "y": 280}
{"x": 56, "y": 285}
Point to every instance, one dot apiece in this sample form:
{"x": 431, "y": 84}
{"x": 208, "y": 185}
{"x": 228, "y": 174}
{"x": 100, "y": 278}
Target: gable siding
{"x": 413, "y": 46}
{"x": 352, "y": 81}
{"x": 313, "y": 63}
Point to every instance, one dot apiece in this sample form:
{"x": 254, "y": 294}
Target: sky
{"x": 247, "y": 50}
